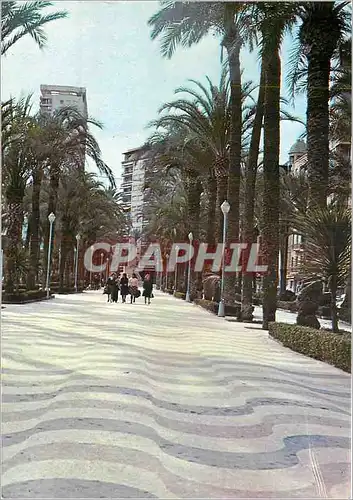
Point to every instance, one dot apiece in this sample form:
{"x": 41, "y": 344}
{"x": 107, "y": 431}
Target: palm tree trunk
{"x": 233, "y": 50}
{"x": 271, "y": 186}
{"x": 34, "y": 224}
{"x": 334, "y": 315}
{"x": 250, "y": 184}
{"x": 318, "y": 126}
{"x": 222, "y": 192}
{"x": 52, "y": 202}
{"x": 194, "y": 190}
{"x": 14, "y": 238}
{"x": 284, "y": 259}
{"x": 211, "y": 191}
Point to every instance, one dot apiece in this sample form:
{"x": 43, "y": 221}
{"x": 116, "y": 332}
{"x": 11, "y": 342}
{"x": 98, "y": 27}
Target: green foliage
{"x": 19, "y": 19}
{"x": 179, "y": 295}
{"x": 332, "y": 348}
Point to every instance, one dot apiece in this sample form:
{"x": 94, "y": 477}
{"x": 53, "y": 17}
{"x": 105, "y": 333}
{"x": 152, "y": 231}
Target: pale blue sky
{"x": 106, "y": 47}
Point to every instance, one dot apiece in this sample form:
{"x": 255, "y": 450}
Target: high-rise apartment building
{"x": 55, "y": 97}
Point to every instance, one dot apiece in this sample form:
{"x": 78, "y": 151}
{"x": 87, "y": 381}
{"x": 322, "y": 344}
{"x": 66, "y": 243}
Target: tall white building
{"x": 133, "y": 187}
{"x": 55, "y": 97}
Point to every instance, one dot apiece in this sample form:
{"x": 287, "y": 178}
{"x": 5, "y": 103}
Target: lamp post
{"x": 166, "y": 273}
{"x": 78, "y": 237}
{"x": 90, "y": 271}
{"x": 107, "y": 269}
{"x": 225, "y": 207}
{"x": 51, "y": 218}
{"x": 187, "y": 298}
{"x": 176, "y": 269}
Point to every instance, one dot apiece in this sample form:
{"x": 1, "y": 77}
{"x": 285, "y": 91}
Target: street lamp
{"x": 166, "y": 273}
{"x": 176, "y": 268}
{"x": 187, "y": 298}
{"x": 51, "y": 218}
{"x": 225, "y": 207}
{"x": 78, "y": 237}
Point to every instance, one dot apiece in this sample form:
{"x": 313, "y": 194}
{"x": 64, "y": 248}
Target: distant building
{"x": 55, "y": 97}
{"x": 134, "y": 198}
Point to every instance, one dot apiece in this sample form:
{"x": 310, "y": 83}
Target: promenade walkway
{"x": 164, "y": 401}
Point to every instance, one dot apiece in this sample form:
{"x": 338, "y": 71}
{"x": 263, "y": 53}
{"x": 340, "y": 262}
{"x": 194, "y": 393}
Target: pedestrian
{"x": 134, "y": 290}
{"x": 124, "y": 287}
{"x": 147, "y": 288}
{"x": 109, "y": 287}
{"x": 115, "y": 289}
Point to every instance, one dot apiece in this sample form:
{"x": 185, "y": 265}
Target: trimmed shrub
{"x": 180, "y": 295}
{"x": 30, "y": 295}
{"x": 287, "y": 306}
{"x": 332, "y": 348}
{"x": 212, "y": 306}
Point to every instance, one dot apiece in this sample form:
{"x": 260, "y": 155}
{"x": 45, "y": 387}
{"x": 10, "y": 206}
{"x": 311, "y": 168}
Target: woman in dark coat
{"x": 114, "y": 289}
{"x": 108, "y": 289}
{"x": 124, "y": 287}
{"x": 147, "y": 288}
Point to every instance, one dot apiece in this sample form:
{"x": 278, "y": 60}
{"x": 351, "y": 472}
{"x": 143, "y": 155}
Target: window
{"x": 61, "y": 102}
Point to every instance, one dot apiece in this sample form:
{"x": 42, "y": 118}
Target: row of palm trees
{"x": 43, "y": 172}
{"x": 220, "y": 137}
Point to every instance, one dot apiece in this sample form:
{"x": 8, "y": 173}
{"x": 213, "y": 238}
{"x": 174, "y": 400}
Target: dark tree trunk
{"x": 222, "y": 194}
{"x": 284, "y": 259}
{"x": 334, "y": 315}
{"x": 52, "y": 202}
{"x": 250, "y": 185}
{"x": 211, "y": 190}
{"x": 318, "y": 126}
{"x": 271, "y": 185}
{"x": 233, "y": 46}
{"x": 14, "y": 239}
{"x": 35, "y": 224}
{"x": 194, "y": 190}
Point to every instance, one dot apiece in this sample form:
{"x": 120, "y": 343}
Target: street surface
{"x": 164, "y": 401}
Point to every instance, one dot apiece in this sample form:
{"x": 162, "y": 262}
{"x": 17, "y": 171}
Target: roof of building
{"x": 298, "y": 147}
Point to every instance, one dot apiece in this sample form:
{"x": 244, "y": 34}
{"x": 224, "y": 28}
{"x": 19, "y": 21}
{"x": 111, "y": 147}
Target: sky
{"x": 106, "y": 47}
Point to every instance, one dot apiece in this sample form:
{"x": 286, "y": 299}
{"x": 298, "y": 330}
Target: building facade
{"x": 55, "y": 97}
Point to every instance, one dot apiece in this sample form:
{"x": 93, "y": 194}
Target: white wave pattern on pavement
{"x": 164, "y": 401}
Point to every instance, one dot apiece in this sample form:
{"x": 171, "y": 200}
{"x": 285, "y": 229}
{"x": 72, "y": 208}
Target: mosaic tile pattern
{"x": 164, "y": 401}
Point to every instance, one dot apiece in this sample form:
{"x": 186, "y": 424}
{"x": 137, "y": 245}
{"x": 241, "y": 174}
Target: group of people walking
{"x": 127, "y": 287}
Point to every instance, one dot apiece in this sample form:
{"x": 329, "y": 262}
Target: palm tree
{"x": 19, "y": 19}
{"x": 16, "y": 171}
{"x": 327, "y": 234}
{"x": 273, "y": 19}
{"x": 333, "y": 19}
{"x": 186, "y": 24}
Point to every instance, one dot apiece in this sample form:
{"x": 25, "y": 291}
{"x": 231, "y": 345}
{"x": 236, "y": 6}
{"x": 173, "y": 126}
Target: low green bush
{"x": 332, "y": 348}
{"x": 212, "y": 306}
{"x": 29, "y": 295}
{"x": 180, "y": 295}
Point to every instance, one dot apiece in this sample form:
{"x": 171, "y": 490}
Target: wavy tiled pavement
{"x": 164, "y": 401}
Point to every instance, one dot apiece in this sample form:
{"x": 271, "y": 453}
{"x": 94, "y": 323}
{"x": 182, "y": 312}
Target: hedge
{"x": 211, "y": 306}
{"x": 332, "y": 348}
{"x": 28, "y": 296}
{"x": 180, "y": 295}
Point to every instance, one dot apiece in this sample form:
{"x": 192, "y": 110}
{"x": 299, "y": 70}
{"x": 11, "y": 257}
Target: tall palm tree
{"x": 333, "y": 19}
{"x": 19, "y": 19}
{"x": 16, "y": 163}
{"x": 186, "y": 24}
{"x": 273, "y": 19}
